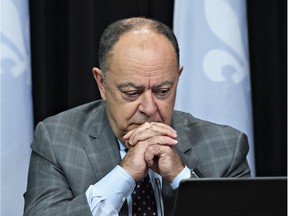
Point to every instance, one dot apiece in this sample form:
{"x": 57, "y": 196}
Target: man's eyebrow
{"x": 129, "y": 84}
{"x": 165, "y": 83}
{"x": 140, "y": 87}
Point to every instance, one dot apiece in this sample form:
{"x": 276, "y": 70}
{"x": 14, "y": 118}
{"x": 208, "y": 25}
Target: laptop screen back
{"x": 229, "y": 197}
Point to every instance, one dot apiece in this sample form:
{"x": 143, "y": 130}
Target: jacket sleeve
{"x": 239, "y": 165}
{"x": 48, "y": 191}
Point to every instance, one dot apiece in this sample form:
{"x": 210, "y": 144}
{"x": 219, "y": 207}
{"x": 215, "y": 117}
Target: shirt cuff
{"x": 184, "y": 174}
{"x": 115, "y": 187}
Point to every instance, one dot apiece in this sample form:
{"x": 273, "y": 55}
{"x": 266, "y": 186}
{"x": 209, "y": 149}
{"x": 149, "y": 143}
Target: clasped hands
{"x": 152, "y": 145}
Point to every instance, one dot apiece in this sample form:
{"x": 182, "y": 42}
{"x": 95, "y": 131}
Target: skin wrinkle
{"x": 140, "y": 66}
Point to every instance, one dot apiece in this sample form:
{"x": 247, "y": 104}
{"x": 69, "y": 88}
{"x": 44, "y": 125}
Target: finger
{"x": 149, "y": 157}
{"x": 134, "y": 162}
{"x": 128, "y": 135}
{"x": 128, "y": 146}
{"x": 156, "y": 140}
{"x": 157, "y": 150}
{"x": 157, "y": 126}
{"x": 168, "y": 163}
{"x": 141, "y": 127}
{"x": 163, "y": 125}
{"x": 149, "y": 130}
{"x": 154, "y": 151}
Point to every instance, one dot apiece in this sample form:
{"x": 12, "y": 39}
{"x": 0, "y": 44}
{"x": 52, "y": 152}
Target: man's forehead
{"x": 140, "y": 38}
{"x": 149, "y": 49}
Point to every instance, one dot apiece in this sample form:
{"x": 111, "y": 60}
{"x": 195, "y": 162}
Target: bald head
{"x": 114, "y": 31}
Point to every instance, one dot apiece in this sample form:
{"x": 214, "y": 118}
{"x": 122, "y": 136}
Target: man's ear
{"x": 98, "y": 76}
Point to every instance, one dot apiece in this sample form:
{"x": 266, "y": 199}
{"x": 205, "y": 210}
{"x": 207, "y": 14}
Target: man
{"x": 86, "y": 161}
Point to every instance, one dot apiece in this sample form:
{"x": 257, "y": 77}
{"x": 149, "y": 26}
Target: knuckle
{"x": 147, "y": 124}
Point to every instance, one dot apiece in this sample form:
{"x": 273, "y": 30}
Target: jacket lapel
{"x": 103, "y": 148}
{"x": 184, "y": 147}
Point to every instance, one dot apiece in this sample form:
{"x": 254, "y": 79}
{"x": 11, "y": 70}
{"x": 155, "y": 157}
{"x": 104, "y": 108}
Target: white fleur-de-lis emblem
{"x": 14, "y": 55}
{"x": 226, "y": 27}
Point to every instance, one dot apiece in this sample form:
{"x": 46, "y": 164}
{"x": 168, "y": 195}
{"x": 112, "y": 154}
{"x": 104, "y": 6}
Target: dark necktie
{"x": 143, "y": 199}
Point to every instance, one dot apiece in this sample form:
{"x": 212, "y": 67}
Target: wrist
{"x": 184, "y": 174}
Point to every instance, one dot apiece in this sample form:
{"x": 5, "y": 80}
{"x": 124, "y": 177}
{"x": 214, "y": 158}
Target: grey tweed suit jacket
{"x": 76, "y": 148}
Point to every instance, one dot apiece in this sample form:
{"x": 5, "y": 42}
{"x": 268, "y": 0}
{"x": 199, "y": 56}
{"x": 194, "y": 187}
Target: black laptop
{"x": 232, "y": 197}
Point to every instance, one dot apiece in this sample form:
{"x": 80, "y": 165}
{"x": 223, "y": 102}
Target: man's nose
{"x": 148, "y": 104}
